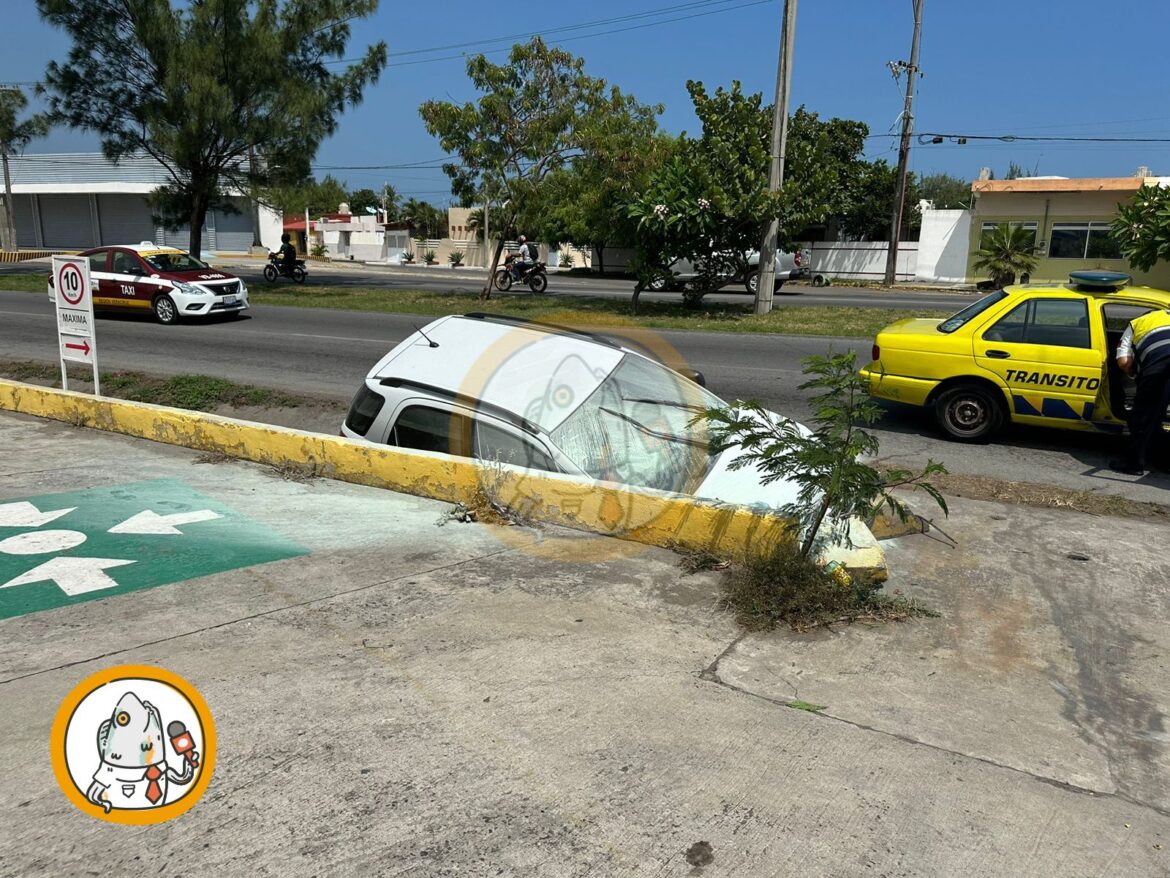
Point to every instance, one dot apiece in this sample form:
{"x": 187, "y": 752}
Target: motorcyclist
{"x": 525, "y": 259}
{"x": 288, "y": 254}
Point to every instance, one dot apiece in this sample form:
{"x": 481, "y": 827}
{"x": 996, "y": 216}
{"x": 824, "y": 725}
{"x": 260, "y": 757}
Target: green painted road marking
{"x": 58, "y": 549}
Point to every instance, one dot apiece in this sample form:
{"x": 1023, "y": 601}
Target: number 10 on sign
{"x": 76, "y": 338}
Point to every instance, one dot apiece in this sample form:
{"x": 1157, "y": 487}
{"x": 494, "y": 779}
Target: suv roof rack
{"x": 1097, "y": 280}
{"x": 463, "y": 399}
{"x": 553, "y": 328}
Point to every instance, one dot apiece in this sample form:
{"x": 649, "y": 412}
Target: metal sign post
{"x": 76, "y": 336}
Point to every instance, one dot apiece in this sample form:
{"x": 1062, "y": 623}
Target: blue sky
{"x": 1024, "y": 67}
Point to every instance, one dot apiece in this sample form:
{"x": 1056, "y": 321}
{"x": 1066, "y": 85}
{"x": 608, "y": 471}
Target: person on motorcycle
{"x": 288, "y": 255}
{"x": 525, "y": 259}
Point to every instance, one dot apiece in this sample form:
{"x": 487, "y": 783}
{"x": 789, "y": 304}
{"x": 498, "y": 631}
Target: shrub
{"x": 429, "y": 257}
{"x": 785, "y": 587}
{"x": 408, "y": 257}
{"x": 456, "y": 258}
{"x": 319, "y": 250}
{"x": 566, "y": 259}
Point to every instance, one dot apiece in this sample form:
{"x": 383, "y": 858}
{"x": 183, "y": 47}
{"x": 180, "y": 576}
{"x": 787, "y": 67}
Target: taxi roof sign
{"x": 1097, "y": 279}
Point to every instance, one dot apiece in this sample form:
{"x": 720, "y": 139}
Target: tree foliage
{"x": 15, "y": 135}
{"x": 947, "y": 191}
{"x": 318, "y": 197}
{"x": 827, "y": 462}
{"x": 537, "y": 112}
{"x": 228, "y": 95}
{"x": 426, "y": 220}
{"x": 710, "y": 203}
{"x": 1142, "y": 227}
{"x": 1008, "y": 250}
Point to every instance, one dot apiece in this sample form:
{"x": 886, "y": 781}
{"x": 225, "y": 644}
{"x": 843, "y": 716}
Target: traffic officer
{"x": 1145, "y": 351}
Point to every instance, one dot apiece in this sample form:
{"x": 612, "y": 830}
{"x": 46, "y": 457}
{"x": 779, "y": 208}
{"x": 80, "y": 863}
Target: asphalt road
{"x": 327, "y": 353}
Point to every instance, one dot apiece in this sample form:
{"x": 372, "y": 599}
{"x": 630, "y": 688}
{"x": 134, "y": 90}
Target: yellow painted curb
{"x": 651, "y": 517}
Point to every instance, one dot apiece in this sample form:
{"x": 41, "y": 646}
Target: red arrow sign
{"x": 83, "y": 347}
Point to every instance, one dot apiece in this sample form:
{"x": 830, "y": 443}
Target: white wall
{"x": 862, "y": 260}
{"x": 943, "y": 246}
{"x": 271, "y": 228}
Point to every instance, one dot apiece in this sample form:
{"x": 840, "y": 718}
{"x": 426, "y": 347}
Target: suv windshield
{"x": 971, "y": 311}
{"x": 635, "y": 428}
{"x": 173, "y": 261}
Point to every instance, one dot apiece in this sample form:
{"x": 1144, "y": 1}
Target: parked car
{"x": 1040, "y": 354}
{"x": 171, "y": 283}
{"x": 789, "y": 266}
{"x": 556, "y": 400}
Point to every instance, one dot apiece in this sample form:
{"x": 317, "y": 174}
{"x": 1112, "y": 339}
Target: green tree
{"x": 390, "y": 202}
{"x": 869, "y": 201}
{"x": 710, "y": 203}
{"x": 827, "y": 463}
{"x": 1142, "y": 227}
{"x": 537, "y": 112}
{"x": 945, "y": 190}
{"x": 228, "y": 95}
{"x": 425, "y": 219}
{"x": 316, "y": 196}
{"x": 1008, "y": 250}
{"x": 14, "y": 137}
{"x": 360, "y": 199}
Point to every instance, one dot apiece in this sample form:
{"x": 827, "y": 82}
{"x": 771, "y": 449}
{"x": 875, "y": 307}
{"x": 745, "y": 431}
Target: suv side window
{"x": 429, "y": 429}
{"x": 493, "y": 444}
{"x": 1053, "y": 322}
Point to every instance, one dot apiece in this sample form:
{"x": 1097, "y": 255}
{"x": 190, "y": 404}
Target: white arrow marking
{"x": 24, "y": 514}
{"x": 149, "y": 522}
{"x": 73, "y": 576}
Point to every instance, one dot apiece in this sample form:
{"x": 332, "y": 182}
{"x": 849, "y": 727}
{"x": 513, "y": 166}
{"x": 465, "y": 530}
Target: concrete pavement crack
{"x": 711, "y": 674}
{"x": 266, "y": 613}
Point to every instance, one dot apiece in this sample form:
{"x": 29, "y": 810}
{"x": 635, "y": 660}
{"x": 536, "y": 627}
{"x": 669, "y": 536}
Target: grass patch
{"x": 594, "y": 311}
{"x": 805, "y": 705}
{"x": 25, "y": 281}
{"x": 1048, "y": 497}
{"x": 202, "y": 393}
{"x": 785, "y": 588}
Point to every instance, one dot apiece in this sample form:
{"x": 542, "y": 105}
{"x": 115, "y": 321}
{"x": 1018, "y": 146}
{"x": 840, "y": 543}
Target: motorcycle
{"x": 276, "y": 267}
{"x": 535, "y": 276}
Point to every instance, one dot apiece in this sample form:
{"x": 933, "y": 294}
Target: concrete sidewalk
{"x": 423, "y": 700}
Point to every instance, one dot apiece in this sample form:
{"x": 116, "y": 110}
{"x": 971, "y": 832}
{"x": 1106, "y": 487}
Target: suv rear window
{"x": 363, "y": 410}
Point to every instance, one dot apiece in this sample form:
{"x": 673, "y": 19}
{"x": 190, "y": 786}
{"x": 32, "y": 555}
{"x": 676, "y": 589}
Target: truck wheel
{"x": 968, "y": 413}
{"x": 165, "y": 310}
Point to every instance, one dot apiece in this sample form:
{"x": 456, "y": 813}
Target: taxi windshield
{"x": 973, "y": 310}
{"x": 173, "y": 260}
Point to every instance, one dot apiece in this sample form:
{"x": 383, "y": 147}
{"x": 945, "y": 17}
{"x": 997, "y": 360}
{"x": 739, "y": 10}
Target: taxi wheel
{"x": 968, "y": 413}
{"x": 165, "y": 310}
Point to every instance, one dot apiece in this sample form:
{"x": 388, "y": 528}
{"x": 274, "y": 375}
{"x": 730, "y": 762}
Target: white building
{"x": 72, "y": 201}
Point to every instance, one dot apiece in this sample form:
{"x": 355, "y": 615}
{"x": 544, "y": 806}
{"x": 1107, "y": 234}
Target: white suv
{"x": 547, "y": 398}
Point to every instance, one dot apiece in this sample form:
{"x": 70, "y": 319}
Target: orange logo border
{"x": 148, "y": 816}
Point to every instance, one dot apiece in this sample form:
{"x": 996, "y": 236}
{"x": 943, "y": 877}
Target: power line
{"x": 936, "y": 138}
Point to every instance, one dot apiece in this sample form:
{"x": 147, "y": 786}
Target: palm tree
{"x": 1008, "y": 250}
{"x": 14, "y": 137}
{"x": 475, "y": 223}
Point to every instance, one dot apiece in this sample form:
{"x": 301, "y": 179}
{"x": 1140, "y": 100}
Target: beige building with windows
{"x": 1069, "y": 218}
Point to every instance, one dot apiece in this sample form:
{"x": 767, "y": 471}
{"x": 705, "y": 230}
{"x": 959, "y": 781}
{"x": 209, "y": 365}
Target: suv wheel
{"x": 752, "y": 281}
{"x": 968, "y": 413}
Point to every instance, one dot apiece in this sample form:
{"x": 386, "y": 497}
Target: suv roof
{"x": 505, "y": 363}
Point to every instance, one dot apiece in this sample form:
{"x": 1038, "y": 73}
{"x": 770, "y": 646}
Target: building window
{"x": 1082, "y": 241}
{"x": 988, "y": 228}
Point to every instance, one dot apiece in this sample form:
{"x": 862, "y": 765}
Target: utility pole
{"x": 766, "y": 280}
{"x": 911, "y": 71}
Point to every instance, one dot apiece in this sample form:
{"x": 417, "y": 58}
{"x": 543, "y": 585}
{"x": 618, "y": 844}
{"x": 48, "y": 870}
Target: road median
{"x": 641, "y": 516}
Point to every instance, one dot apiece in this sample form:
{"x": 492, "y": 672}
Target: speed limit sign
{"x": 76, "y": 341}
